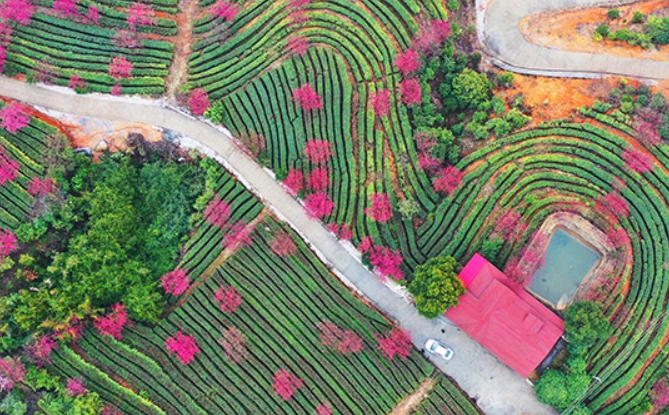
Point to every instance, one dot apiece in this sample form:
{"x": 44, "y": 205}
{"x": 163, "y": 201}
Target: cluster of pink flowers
{"x": 184, "y": 346}
{"x": 228, "y": 298}
{"x": 381, "y": 209}
{"x": 282, "y": 244}
{"x": 286, "y": 384}
{"x": 449, "y": 180}
{"x": 397, "y": 342}
{"x": 113, "y": 323}
{"x": 345, "y": 341}
{"x": 307, "y": 98}
{"x": 386, "y": 261}
{"x": 14, "y": 117}
{"x": 225, "y": 10}
{"x": 175, "y": 282}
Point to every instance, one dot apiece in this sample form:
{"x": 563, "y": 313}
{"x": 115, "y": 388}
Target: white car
{"x": 439, "y": 349}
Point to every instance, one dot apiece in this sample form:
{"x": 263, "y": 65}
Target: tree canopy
{"x": 436, "y": 286}
{"x": 585, "y": 324}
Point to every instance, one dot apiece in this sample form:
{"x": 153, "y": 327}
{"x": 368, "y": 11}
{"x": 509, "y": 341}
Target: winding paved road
{"x": 510, "y": 50}
{"x": 497, "y": 389}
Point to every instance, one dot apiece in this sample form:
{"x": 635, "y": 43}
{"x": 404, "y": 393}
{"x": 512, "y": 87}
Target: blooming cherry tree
{"x": 19, "y": 11}
{"x": 282, "y": 244}
{"x": 14, "y": 117}
{"x": 140, "y": 14}
{"x": 306, "y": 98}
{"x": 345, "y": 341}
{"x": 75, "y": 387}
{"x": 113, "y": 323}
{"x": 319, "y": 205}
{"x": 239, "y": 235}
{"x": 217, "y": 212}
{"x": 318, "y": 151}
{"x": 294, "y": 181}
{"x": 345, "y": 232}
{"x": 184, "y": 346}
{"x": 407, "y": 62}
{"x": 175, "y": 282}
{"x": 40, "y": 351}
{"x": 93, "y": 15}
{"x": 410, "y": 91}
{"x": 386, "y": 262}
{"x": 198, "y": 101}
{"x": 318, "y": 179}
{"x": 397, "y": 342}
{"x": 228, "y": 298}
{"x": 76, "y": 82}
{"x": 9, "y": 168}
{"x": 637, "y": 160}
{"x": 66, "y": 8}
{"x": 120, "y": 67}
{"x": 449, "y": 179}
{"x": 7, "y": 242}
{"x": 12, "y": 371}
{"x": 432, "y": 36}
{"x": 381, "y": 210}
{"x": 40, "y": 186}
{"x": 224, "y": 10}
{"x": 234, "y": 345}
{"x": 613, "y": 203}
{"x": 323, "y": 409}
{"x": 381, "y": 102}
{"x": 286, "y": 384}
{"x": 297, "y": 45}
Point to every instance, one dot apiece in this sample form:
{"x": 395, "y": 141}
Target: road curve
{"x": 497, "y": 389}
{"x": 505, "y": 43}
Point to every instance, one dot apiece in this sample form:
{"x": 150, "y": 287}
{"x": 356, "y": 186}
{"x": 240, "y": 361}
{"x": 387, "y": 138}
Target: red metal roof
{"x": 505, "y": 318}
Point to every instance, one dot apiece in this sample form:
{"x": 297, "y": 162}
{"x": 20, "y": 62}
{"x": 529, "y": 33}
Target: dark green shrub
{"x": 637, "y": 17}
{"x": 613, "y": 14}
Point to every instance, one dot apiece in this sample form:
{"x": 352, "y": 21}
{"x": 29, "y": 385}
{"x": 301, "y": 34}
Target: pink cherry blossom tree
{"x": 198, "y": 101}
{"x": 323, "y": 409}
{"x": 14, "y": 117}
{"x": 184, "y": 346}
{"x": 116, "y": 89}
{"x": 233, "y": 343}
{"x": 93, "y": 15}
{"x": 386, "y": 262}
{"x": 67, "y": 8}
{"x": 449, "y": 179}
{"x": 306, "y": 98}
{"x": 407, "y": 62}
{"x": 217, "y": 212}
{"x": 225, "y": 10}
{"x": 294, "y": 181}
{"x": 318, "y": 151}
{"x": 120, "y": 67}
{"x": 283, "y": 245}
{"x": 19, "y": 11}
{"x": 40, "y": 351}
{"x": 286, "y": 384}
{"x": 9, "y": 167}
{"x": 318, "y": 179}
{"x": 410, "y": 91}
{"x": 40, "y": 186}
{"x": 397, "y": 342}
{"x": 238, "y": 236}
{"x": 319, "y": 205}
{"x": 114, "y": 322}
{"x": 228, "y": 298}
{"x": 12, "y": 371}
{"x": 614, "y": 204}
{"x": 380, "y": 102}
{"x": 345, "y": 232}
{"x": 76, "y": 82}
{"x": 637, "y": 160}
{"x": 381, "y": 209}
{"x": 297, "y": 45}
{"x": 7, "y": 242}
{"x": 432, "y": 36}
{"x": 140, "y": 14}
{"x": 366, "y": 244}
{"x": 618, "y": 237}
{"x": 175, "y": 282}
{"x": 75, "y": 387}
{"x": 5, "y": 33}
{"x": 659, "y": 394}
{"x": 345, "y": 341}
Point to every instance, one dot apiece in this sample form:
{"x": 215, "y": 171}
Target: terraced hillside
{"x": 253, "y": 63}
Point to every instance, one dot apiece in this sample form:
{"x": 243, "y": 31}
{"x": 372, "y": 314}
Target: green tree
{"x": 471, "y": 88}
{"x": 436, "y": 287}
{"x": 551, "y": 389}
{"x": 585, "y": 324}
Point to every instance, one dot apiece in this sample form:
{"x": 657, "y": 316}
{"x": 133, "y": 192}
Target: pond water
{"x": 568, "y": 261}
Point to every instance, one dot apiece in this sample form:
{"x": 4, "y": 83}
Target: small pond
{"x": 568, "y": 261}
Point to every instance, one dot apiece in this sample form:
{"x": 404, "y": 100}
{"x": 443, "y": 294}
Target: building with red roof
{"x": 504, "y": 318}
